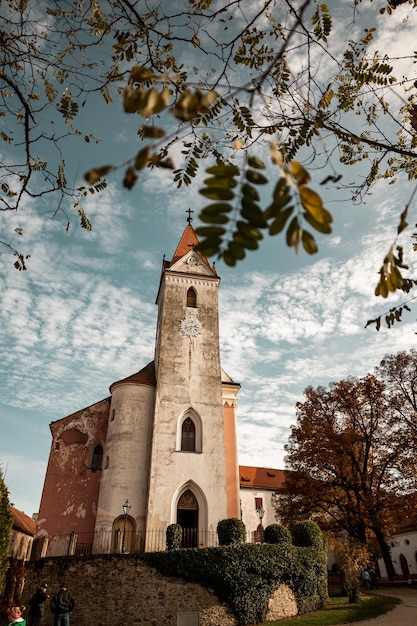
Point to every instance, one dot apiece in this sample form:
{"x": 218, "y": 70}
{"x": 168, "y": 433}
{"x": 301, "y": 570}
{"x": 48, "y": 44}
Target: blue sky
{"x": 83, "y": 315}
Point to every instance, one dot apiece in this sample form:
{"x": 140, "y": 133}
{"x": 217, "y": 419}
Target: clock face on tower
{"x": 190, "y": 327}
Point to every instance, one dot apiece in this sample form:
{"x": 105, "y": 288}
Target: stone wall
{"x": 120, "y": 590}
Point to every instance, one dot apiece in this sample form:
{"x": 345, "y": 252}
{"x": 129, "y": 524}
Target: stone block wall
{"x": 121, "y": 590}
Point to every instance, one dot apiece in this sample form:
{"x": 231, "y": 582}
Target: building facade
{"x": 164, "y": 442}
{"x": 21, "y": 538}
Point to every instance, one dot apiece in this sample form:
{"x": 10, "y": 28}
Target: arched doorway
{"x": 123, "y": 535}
{"x": 404, "y": 567}
{"x": 187, "y": 518}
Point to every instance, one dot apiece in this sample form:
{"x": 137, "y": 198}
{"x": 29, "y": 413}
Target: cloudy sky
{"x": 83, "y": 314}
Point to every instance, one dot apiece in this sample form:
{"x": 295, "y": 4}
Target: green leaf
{"x": 223, "y": 170}
{"x": 220, "y": 181}
{"x": 256, "y": 177}
{"x": 280, "y": 221}
{"x": 253, "y": 214}
{"x": 281, "y": 197}
{"x": 210, "y": 231}
{"x": 294, "y": 234}
{"x": 214, "y": 218}
{"x": 250, "y": 192}
{"x": 245, "y": 241}
{"x": 208, "y": 248}
{"x": 229, "y": 259}
{"x": 217, "y": 207}
{"x": 217, "y": 193}
{"x": 258, "y": 164}
{"x": 309, "y": 243}
{"x": 248, "y": 230}
{"x": 237, "y": 250}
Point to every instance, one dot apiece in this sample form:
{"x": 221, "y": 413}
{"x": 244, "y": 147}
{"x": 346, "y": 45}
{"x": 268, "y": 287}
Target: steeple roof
{"x": 187, "y": 242}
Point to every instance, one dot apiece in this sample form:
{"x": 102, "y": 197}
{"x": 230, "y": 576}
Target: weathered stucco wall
{"x": 71, "y": 488}
{"x": 119, "y": 590}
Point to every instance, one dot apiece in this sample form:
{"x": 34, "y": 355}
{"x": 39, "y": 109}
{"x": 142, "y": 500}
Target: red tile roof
{"x": 261, "y": 477}
{"x": 23, "y": 522}
{"x": 188, "y": 240}
{"x": 145, "y": 376}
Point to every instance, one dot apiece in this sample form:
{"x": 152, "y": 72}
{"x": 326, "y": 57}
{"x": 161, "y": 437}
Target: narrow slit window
{"x": 191, "y": 298}
{"x": 97, "y": 460}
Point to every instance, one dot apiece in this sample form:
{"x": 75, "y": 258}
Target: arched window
{"x": 191, "y": 298}
{"x": 97, "y": 460}
{"x": 188, "y": 435}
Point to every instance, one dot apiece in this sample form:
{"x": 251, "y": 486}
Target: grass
{"x": 339, "y": 611}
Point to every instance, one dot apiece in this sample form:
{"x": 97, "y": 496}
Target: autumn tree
{"x": 352, "y": 557}
{"x": 257, "y": 94}
{"x": 348, "y": 455}
{"x": 399, "y": 372}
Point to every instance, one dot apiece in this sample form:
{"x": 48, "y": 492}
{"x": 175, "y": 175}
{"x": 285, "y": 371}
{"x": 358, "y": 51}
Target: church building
{"x": 162, "y": 448}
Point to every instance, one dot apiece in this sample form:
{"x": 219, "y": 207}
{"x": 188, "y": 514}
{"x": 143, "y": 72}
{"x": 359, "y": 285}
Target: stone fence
{"x": 115, "y": 590}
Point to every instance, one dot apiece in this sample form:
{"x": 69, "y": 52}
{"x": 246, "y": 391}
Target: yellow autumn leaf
{"x": 142, "y": 158}
{"x": 94, "y": 175}
{"x": 300, "y": 173}
{"x": 313, "y": 203}
{"x": 141, "y": 74}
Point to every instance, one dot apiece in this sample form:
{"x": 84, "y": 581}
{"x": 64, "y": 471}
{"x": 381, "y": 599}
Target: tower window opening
{"x": 188, "y": 435}
{"x": 191, "y": 298}
{"x": 97, "y": 460}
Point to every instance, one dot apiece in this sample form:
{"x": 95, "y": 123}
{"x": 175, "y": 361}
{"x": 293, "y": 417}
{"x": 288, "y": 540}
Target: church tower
{"x": 171, "y": 445}
{"x": 193, "y": 464}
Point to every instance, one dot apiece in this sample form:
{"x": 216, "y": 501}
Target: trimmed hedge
{"x": 174, "y": 537}
{"x": 308, "y": 533}
{"x": 276, "y": 533}
{"x": 230, "y": 531}
{"x": 245, "y": 576}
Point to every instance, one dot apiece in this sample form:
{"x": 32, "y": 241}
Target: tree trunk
{"x": 386, "y": 554}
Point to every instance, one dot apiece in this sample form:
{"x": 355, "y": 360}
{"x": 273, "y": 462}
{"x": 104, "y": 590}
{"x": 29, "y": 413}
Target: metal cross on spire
{"x": 189, "y": 218}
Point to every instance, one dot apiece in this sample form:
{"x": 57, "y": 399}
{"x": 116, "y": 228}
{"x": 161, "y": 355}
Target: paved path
{"x": 404, "y": 614}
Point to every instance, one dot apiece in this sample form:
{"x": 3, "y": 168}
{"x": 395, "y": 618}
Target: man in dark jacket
{"x": 36, "y": 605}
{"x": 62, "y": 605}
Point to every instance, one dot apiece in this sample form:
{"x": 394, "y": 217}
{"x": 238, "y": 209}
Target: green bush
{"x": 307, "y": 534}
{"x": 245, "y": 575}
{"x": 276, "y": 533}
{"x": 174, "y": 537}
{"x": 6, "y": 523}
{"x": 231, "y": 531}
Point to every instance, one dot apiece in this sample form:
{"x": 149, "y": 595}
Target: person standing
{"x": 62, "y": 605}
{"x": 366, "y": 578}
{"x": 37, "y": 605}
